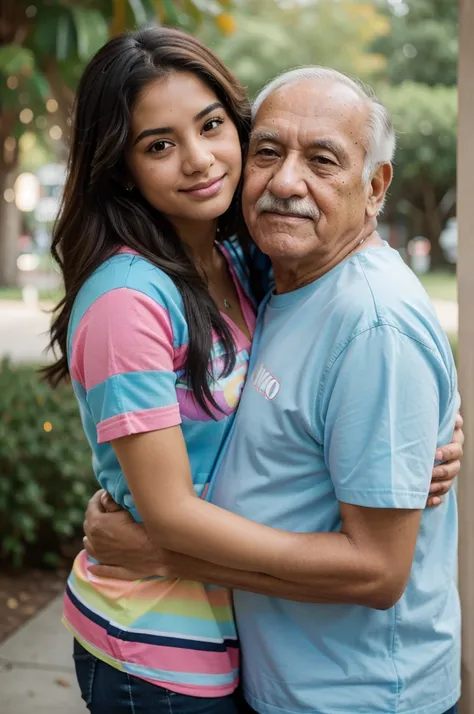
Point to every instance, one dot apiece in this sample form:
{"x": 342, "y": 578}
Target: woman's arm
{"x": 367, "y": 563}
{"x": 329, "y": 568}
{"x": 156, "y": 468}
{"x": 126, "y": 552}
{"x": 116, "y": 539}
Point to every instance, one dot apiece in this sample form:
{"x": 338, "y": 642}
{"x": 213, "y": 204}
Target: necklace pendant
{"x": 227, "y": 304}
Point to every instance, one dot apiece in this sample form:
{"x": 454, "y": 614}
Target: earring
{"x": 129, "y": 188}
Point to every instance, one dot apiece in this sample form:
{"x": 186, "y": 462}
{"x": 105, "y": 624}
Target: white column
{"x": 465, "y": 213}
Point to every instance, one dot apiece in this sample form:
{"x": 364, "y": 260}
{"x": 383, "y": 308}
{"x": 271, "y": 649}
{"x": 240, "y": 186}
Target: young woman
{"x": 155, "y": 331}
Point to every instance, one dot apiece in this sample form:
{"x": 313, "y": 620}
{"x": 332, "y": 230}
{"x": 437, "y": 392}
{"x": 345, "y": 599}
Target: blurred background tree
{"x": 423, "y": 193}
{"x": 44, "y": 46}
{"x": 273, "y": 36}
{"x": 406, "y": 48}
{"x": 422, "y": 45}
{"x": 419, "y": 87}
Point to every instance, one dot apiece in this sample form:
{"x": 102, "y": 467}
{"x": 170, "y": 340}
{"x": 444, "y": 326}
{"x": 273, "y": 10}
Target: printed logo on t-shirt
{"x": 265, "y": 383}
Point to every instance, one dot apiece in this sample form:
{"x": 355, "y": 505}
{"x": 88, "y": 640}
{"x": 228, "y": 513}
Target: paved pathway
{"x": 23, "y": 331}
{"x": 36, "y": 668}
{"x": 23, "y": 328}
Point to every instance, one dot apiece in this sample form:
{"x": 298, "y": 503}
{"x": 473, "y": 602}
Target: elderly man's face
{"x": 303, "y": 192}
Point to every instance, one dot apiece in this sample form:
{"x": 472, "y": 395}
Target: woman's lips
{"x": 207, "y": 190}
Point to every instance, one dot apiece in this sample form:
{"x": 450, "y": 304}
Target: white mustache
{"x": 268, "y": 203}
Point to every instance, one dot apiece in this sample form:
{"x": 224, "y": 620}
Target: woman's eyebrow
{"x": 153, "y": 132}
{"x": 169, "y": 129}
{"x": 211, "y": 108}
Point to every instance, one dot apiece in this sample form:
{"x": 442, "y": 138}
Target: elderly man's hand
{"x": 120, "y": 544}
{"x": 445, "y": 473}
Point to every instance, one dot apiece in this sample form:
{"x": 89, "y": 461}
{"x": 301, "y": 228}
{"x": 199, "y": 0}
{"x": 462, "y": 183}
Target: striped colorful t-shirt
{"x": 127, "y": 347}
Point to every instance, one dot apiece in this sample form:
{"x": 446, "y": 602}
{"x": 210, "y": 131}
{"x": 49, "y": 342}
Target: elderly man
{"x": 352, "y": 387}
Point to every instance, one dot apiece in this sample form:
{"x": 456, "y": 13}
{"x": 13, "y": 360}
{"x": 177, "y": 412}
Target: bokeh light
{"x": 26, "y": 116}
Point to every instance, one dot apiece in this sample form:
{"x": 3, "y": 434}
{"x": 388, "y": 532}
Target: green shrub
{"x": 46, "y": 475}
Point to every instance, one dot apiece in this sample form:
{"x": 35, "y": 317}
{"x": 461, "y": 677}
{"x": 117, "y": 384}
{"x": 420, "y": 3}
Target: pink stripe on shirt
{"x": 173, "y": 659}
{"x": 126, "y": 331}
{"x": 138, "y": 422}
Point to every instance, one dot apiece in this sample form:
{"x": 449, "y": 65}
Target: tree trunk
{"x": 10, "y": 225}
{"x": 63, "y": 95}
{"x": 433, "y": 224}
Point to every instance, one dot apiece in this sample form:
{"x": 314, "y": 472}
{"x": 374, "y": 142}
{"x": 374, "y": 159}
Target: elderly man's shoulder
{"x": 376, "y": 288}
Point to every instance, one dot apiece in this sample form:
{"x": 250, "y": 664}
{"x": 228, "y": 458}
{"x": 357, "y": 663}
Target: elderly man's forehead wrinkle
{"x": 320, "y": 100}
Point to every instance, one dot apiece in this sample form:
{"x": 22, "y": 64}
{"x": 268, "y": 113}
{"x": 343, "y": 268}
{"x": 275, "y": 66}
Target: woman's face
{"x": 184, "y": 154}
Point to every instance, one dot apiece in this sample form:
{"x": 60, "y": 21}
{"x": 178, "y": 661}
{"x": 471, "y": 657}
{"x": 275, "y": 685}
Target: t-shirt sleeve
{"x": 382, "y": 419}
{"x": 122, "y": 357}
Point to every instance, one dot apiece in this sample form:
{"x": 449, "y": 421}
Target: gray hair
{"x": 380, "y": 141}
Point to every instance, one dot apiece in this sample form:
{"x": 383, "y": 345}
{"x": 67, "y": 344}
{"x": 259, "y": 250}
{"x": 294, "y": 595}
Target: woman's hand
{"x": 120, "y": 544}
{"x": 445, "y": 473}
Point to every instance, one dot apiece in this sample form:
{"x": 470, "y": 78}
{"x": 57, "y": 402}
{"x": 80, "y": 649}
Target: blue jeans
{"x": 106, "y": 690}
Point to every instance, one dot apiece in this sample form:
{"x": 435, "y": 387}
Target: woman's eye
{"x": 212, "y": 124}
{"x": 159, "y": 146}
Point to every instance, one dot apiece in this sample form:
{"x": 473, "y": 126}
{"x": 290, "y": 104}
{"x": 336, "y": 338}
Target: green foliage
{"x": 423, "y": 190}
{"x": 419, "y": 87}
{"x": 15, "y": 59}
{"x": 64, "y": 34}
{"x": 272, "y": 36}
{"x": 44, "y": 47}
{"x": 423, "y": 43}
{"x": 425, "y": 119}
{"x": 46, "y": 476}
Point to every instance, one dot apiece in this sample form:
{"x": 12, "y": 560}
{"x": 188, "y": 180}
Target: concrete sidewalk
{"x": 36, "y": 668}
{"x": 24, "y": 331}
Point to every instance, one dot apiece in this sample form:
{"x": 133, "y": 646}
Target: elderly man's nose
{"x": 289, "y": 181}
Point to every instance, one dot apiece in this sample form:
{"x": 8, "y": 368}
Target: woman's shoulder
{"x": 127, "y": 270}
{"x": 132, "y": 279}
{"x": 144, "y": 276}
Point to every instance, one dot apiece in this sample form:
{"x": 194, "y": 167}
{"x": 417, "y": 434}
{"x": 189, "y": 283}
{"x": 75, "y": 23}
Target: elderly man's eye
{"x": 324, "y": 160}
{"x": 265, "y": 151}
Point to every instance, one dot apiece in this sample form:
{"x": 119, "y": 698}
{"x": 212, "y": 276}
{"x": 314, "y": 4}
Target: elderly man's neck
{"x": 292, "y": 275}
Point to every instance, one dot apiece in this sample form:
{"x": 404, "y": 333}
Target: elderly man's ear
{"x": 378, "y": 187}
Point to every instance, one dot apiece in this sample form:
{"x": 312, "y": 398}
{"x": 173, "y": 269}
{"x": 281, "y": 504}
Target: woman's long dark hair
{"x": 98, "y": 215}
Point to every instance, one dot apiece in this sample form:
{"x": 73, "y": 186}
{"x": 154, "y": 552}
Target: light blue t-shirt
{"x": 352, "y": 386}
